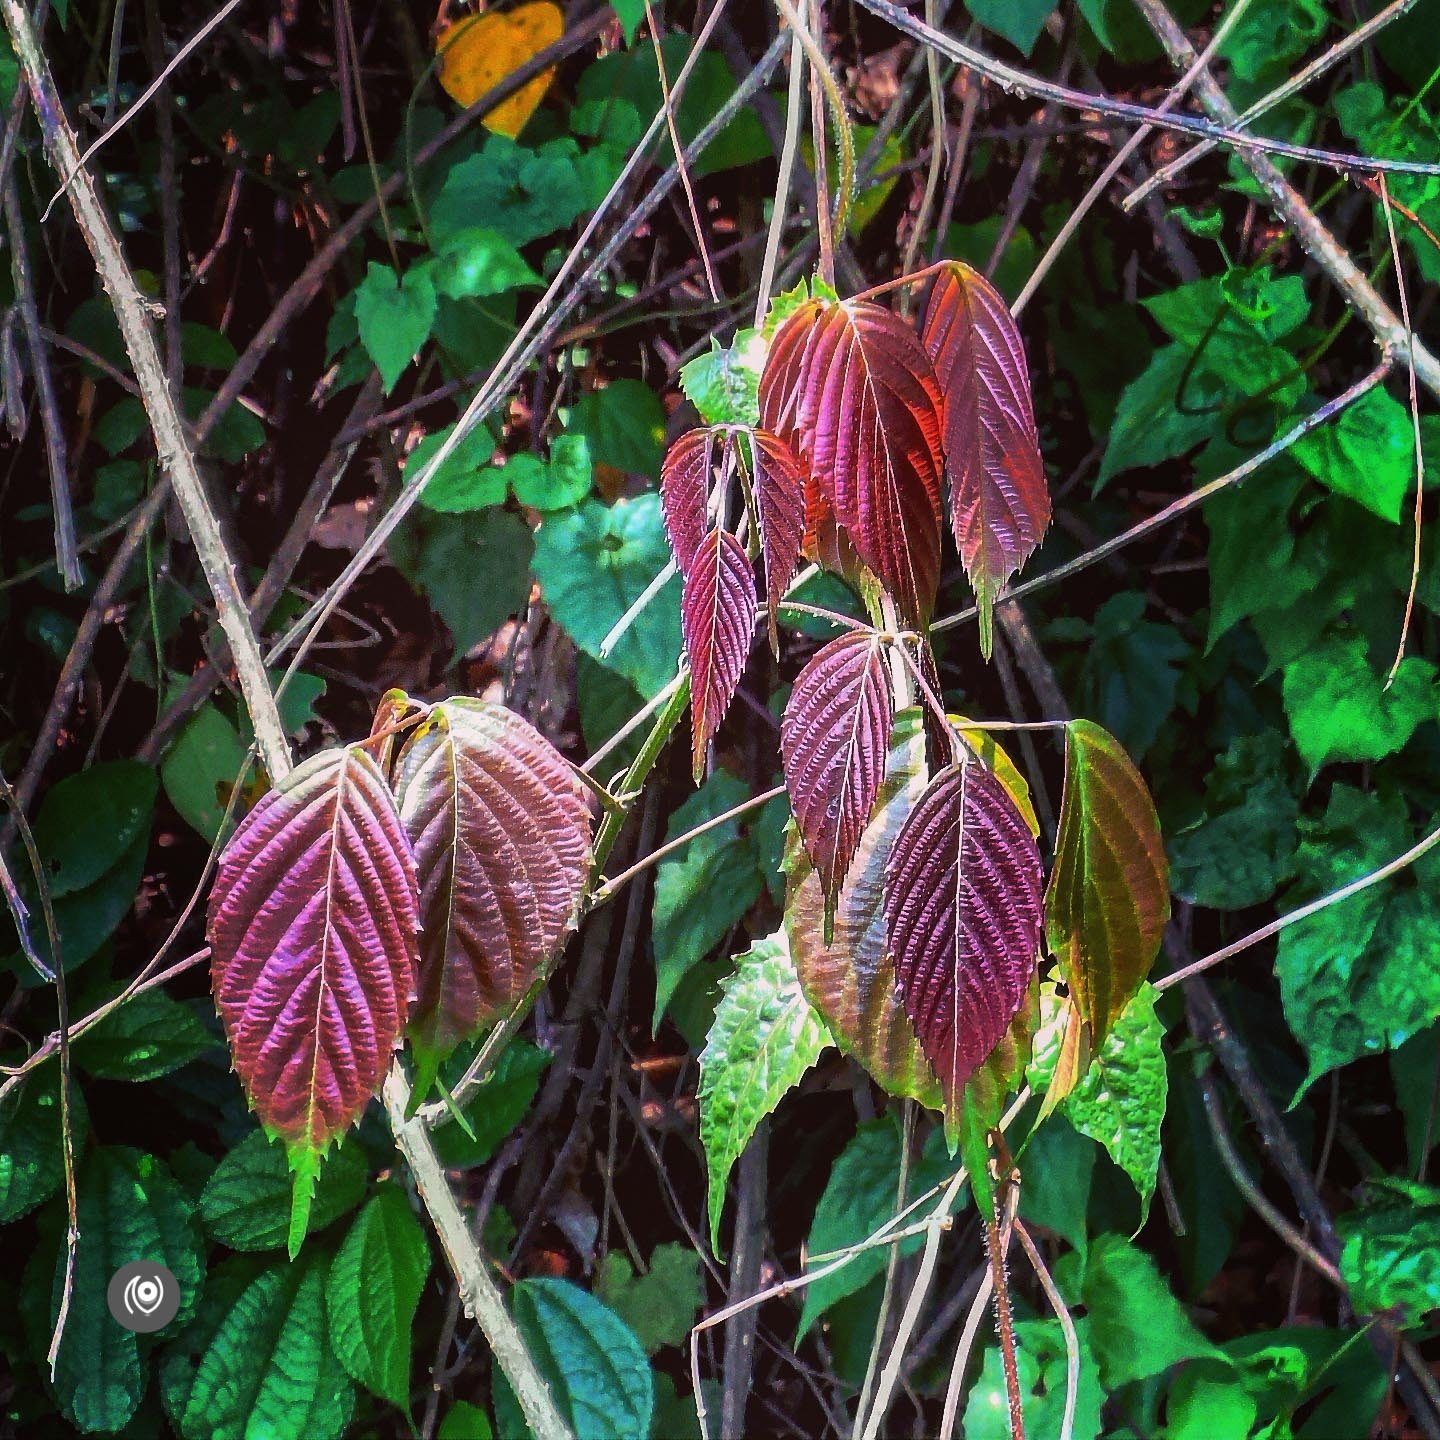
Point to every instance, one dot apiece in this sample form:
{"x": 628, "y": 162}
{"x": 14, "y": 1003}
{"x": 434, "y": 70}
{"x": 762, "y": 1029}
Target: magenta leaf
{"x": 833, "y": 741}
{"x": 853, "y": 391}
{"x": 685, "y": 488}
{"x": 501, "y": 828}
{"x": 963, "y": 912}
{"x": 780, "y": 501}
{"x": 312, "y": 929}
{"x": 717, "y": 615}
{"x": 999, "y": 498}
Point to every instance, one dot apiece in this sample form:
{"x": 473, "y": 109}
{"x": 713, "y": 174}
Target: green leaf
{"x": 1130, "y": 680}
{"x": 624, "y": 425}
{"x": 464, "y": 1421}
{"x": 1120, "y": 1100}
{"x": 480, "y": 262}
{"x": 148, "y": 1036}
{"x": 564, "y": 482}
{"x": 474, "y": 569}
{"x": 89, "y": 821}
{"x": 498, "y": 1105}
{"x": 394, "y": 317}
{"x": 130, "y": 1208}
{"x": 1267, "y": 38}
{"x": 1204, "y": 1406}
{"x": 258, "y": 1360}
{"x": 765, "y": 1037}
{"x": 1412, "y": 1070}
{"x": 372, "y": 1293}
{"x": 203, "y": 761}
{"x": 630, "y": 13}
{"x": 593, "y": 563}
{"x": 704, "y": 888}
{"x": 1367, "y": 452}
{"x": 1058, "y": 1165}
{"x": 1018, "y": 21}
{"x": 1040, "y": 1361}
{"x": 860, "y": 1196}
{"x": 1242, "y": 848}
{"x": 466, "y": 480}
{"x": 724, "y": 384}
{"x": 1137, "y": 1327}
{"x": 1388, "y": 1251}
{"x": 597, "y": 1371}
{"x": 519, "y": 192}
{"x": 659, "y": 1306}
{"x": 1150, "y": 427}
{"x": 32, "y": 1163}
{"x": 246, "y": 1204}
{"x": 1340, "y": 708}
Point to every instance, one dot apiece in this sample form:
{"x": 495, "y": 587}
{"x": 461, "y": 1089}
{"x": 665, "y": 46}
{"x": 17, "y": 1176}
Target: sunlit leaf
{"x": 685, "y": 477}
{"x": 999, "y": 499}
{"x": 501, "y": 831}
{"x": 312, "y": 929}
{"x": 1108, "y": 898}
{"x": 780, "y": 500}
{"x": 963, "y": 912}
{"x": 717, "y": 614}
{"x": 849, "y": 386}
{"x": 476, "y": 54}
{"x": 833, "y": 739}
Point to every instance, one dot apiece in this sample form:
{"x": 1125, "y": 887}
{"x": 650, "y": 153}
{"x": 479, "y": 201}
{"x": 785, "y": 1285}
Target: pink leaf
{"x": 312, "y": 927}
{"x": 963, "y": 912}
{"x": 834, "y": 739}
{"x": 999, "y": 498}
{"x": 780, "y": 499}
{"x": 502, "y": 833}
{"x": 684, "y": 490}
{"x": 717, "y": 614}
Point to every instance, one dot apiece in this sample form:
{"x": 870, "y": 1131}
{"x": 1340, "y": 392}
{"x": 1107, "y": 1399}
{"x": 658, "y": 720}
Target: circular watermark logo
{"x": 143, "y": 1296}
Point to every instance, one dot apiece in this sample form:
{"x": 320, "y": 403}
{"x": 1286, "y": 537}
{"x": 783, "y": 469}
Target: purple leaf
{"x": 502, "y": 833}
{"x": 963, "y": 912}
{"x": 312, "y": 928}
{"x": 684, "y": 489}
{"x": 780, "y": 501}
{"x": 833, "y": 740}
{"x": 717, "y": 614}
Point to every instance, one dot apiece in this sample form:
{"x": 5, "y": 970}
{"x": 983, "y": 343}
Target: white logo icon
{"x": 143, "y": 1296}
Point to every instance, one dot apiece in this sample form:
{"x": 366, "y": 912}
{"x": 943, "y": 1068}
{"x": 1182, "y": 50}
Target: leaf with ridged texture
{"x": 852, "y": 390}
{"x": 717, "y": 615}
{"x": 999, "y": 497}
{"x": 833, "y": 740}
{"x": 1109, "y": 895}
{"x": 779, "y": 485}
{"x": 851, "y": 981}
{"x": 963, "y": 912}
{"x": 501, "y": 829}
{"x": 685, "y": 476}
{"x": 312, "y": 927}
{"x": 995, "y": 757}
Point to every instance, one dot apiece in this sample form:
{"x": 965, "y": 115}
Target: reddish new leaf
{"x": 963, "y": 912}
{"x": 780, "y": 501}
{"x": 833, "y": 741}
{"x": 502, "y": 834}
{"x": 312, "y": 927}
{"x": 717, "y": 615}
{"x": 851, "y": 388}
{"x": 999, "y": 499}
{"x": 684, "y": 490}
{"x": 1109, "y": 895}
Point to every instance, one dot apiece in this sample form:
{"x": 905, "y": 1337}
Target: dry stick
{"x": 1287, "y": 202}
{"x": 1297, "y": 82}
{"x": 67, "y": 558}
{"x": 788, "y": 151}
{"x": 1185, "y": 503}
{"x": 1415, "y": 422}
{"x": 1117, "y": 161}
{"x": 1067, "y": 1328}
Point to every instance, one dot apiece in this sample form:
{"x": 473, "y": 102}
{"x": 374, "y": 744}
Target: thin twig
{"x": 1067, "y": 1328}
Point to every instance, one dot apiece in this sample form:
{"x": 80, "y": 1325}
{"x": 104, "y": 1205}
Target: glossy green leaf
{"x": 660, "y": 1306}
{"x": 724, "y": 383}
{"x": 32, "y": 1163}
{"x": 765, "y": 1037}
{"x": 593, "y": 563}
{"x": 200, "y": 768}
{"x": 1108, "y": 898}
{"x": 1388, "y": 1250}
{"x": 372, "y": 1292}
{"x": 464, "y": 1421}
{"x": 1040, "y": 1360}
{"x": 246, "y": 1204}
{"x": 258, "y": 1360}
{"x": 851, "y": 981}
{"x": 1120, "y": 1100}
{"x": 394, "y": 317}
{"x": 149, "y": 1035}
{"x": 1367, "y": 452}
{"x": 557, "y": 485}
{"x": 480, "y": 262}
{"x": 466, "y": 480}
{"x": 130, "y": 1208}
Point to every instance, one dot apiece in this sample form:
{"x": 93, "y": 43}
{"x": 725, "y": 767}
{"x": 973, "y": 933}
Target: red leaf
{"x": 851, "y": 388}
{"x": 963, "y": 912}
{"x": 501, "y": 830}
{"x": 780, "y": 500}
{"x": 684, "y": 490}
{"x": 312, "y": 927}
{"x": 999, "y": 499}
{"x": 833, "y": 740}
{"x": 717, "y": 614}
